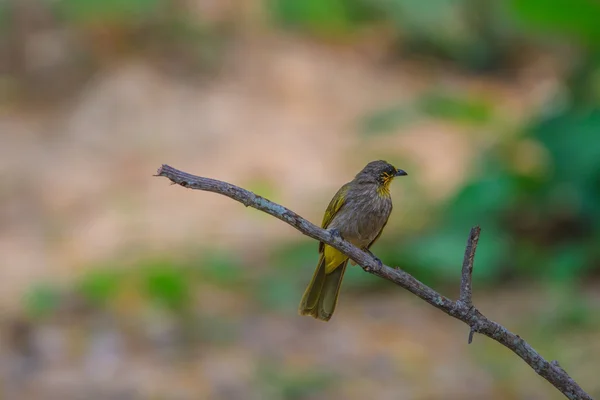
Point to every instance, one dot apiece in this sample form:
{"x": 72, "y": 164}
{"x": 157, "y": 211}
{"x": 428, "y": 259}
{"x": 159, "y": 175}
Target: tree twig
{"x": 466, "y": 294}
{"x": 466, "y": 286}
{"x": 462, "y": 309}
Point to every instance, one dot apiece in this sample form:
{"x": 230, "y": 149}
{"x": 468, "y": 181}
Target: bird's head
{"x": 379, "y": 172}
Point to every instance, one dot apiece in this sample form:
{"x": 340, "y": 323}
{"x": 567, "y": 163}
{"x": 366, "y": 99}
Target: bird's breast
{"x": 363, "y": 217}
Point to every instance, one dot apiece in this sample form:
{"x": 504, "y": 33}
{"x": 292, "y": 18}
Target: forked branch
{"x": 462, "y": 309}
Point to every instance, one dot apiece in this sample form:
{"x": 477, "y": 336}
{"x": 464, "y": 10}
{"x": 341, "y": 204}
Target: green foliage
{"x": 439, "y": 254}
{"x": 550, "y": 222}
{"x": 296, "y": 255}
{"x": 99, "y": 286}
{"x": 289, "y": 269}
{"x": 157, "y": 28}
{"x": 167, "y": 285}
{"x": 576, "y": 19}
{"x": 572, "y": 140}
{"x": 221, "y": 268}
{"x": 322, "y": 17}
{"x": 548, "y": 219}
{"x": 106, "y": 10}
{"x": 569, "y": 311}
{"x": 454, "y": 107}
{"x": 389, "y": 119}
{"x": 356, "y": 279}
{"x": 42, "y": 300}
{"x": 166, "y": 282}
{"x": 438, "y": 104}
{"x": 278, "y": 291}
{"x": 474, "y": 34}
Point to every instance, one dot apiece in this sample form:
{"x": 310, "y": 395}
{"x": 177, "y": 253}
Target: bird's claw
{"x": 379, "y": 263}
{"x": 335, "y": 233}
{"x": 377, "y": 260}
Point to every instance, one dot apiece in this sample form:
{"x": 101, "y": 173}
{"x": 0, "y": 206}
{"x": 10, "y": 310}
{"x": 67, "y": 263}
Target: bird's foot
{"x": 335, "y": 233}
{"x": 377, "y": 260}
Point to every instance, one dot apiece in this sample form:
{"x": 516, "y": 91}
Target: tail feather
{"x": 321, "y": 295}
{"x": 310, "y": 298}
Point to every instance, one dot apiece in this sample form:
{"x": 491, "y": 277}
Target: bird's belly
{"x": 361, "y": 229}
{"x": 368, "y": 228}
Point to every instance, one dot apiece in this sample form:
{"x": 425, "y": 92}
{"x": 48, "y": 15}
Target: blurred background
{"x": 116, "y": 285}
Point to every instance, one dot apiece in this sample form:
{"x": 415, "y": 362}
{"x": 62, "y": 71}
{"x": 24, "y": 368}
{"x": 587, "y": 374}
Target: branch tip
{"x": 471, "y": 333}
{"x": 466, "y": 285}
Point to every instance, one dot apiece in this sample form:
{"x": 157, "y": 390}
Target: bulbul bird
{"x": 358, "y": 213}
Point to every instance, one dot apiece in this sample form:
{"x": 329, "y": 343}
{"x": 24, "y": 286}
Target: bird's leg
{"x": 377, "y": 260}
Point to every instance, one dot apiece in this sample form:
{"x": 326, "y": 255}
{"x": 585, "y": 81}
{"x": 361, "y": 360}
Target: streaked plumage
{"x": 359, "y": 211}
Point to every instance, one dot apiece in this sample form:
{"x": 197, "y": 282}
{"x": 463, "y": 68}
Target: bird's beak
{"x": 401, "y": 172}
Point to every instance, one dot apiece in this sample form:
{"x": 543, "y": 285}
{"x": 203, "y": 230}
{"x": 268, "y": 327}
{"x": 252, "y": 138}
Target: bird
{"x": 358, "y": 212}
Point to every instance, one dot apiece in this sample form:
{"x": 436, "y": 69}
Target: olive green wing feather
{"x": 335, "y": 205}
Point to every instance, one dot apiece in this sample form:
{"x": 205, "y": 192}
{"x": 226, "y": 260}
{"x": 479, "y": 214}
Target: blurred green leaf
{"x": 438, "y": 255}
{"x": 433, "y": 18}
{"x": 295, "y": 256}
{"x": 482, "y": 200}
{"x": 167, "y": 285}
{"x": 568, "y": 263}
{"x": 528, "y": 259}
{"x": 279, "y": 291}
{"x": 222, "y": 268}
{"x": 474, "y": 34}
{"x": 99, "y": 286}
{"x": 388, "y": 120}
{"x": 574, "y": 18}
{"x": 106, "y": 10}
{"x": 573, "y": 142}
{"x": 356, "y": 278}
{"x": 440, "y": 105}
{"x": 325, "y": 17}
{"x": 42, "y": 300}
{"x": 455, "y": 108}
{"x": 568, "y": 309}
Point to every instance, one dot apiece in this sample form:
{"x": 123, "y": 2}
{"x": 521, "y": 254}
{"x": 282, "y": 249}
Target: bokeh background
{"x": 116, "y": 285}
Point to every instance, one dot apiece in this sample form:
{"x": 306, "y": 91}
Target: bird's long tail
{"x": 321, "y": 295}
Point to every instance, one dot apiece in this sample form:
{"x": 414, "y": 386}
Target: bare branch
{"x": 466, "y": 286}
{"x": 467, "y": 267}
{"x": 460, "y": 310}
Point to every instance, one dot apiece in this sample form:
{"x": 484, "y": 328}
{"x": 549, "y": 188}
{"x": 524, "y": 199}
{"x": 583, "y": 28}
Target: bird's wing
{"x": 335, "y": 205}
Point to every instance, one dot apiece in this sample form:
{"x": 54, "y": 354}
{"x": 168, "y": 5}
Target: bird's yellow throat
{"x": 384, "y": 189}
